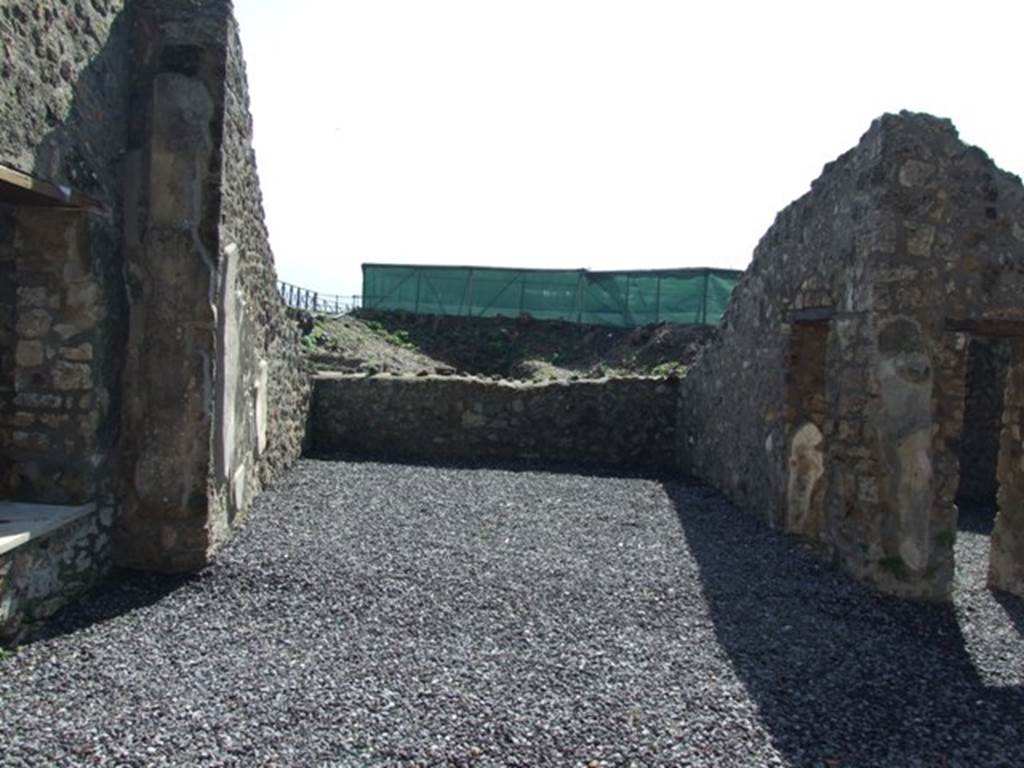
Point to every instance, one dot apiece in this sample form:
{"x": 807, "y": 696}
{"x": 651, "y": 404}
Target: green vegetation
{"x": 520, "y": 348}
{"x": 317, "y": 338}
{"x": 399, "y": 337}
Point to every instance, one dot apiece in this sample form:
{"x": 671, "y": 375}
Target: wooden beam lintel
{"x": 29, "y": 190}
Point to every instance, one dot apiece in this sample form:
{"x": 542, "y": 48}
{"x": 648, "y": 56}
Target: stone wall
{"x": 204, "y": 437}
{"x": 64, "y": 92}
{"x": 627, "y": 422}
{"x": 51, "y": 443}
{"x": 182, "y": 391}
{"x": 735, "y": 430}
{"x": 904, "y": 248}
{"x": 8, "y": 339}
{"x": 263, "y": 394}
{"x": 1006, "y": 568}
{"x": 40, "y": 577}
{"x": 65, "y": 80}
{"x": 173, "y": 180}
{"x": 64, "y": 113}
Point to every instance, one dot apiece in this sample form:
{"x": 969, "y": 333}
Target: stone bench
{"x": 49, "y": 555}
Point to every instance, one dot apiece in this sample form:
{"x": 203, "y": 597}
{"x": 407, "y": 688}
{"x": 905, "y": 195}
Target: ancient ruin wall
{"x": 904, "y": 248}
{"x": 52, "y": 446}
{"x": 64, "y": 106}
{"x": 64, "y": 92}
{"x": 958, "y": 224}
{"x": 629, "y": 422}
{"x": 735, "y": 408}
{"x": 45, "y": 574}
{"x": 172, "y": 175}
{"x": 264, "y": 389}
{"x": 8, "y": 337}
{"x": 204, "y": 436}
{"x": 196, "y": 378}
{"x": 1006, "y": 567}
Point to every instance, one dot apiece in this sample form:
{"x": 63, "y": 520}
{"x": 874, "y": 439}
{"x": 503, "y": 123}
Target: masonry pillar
{"x": 1006, "y": 566}
{"x": 172, "y": 252}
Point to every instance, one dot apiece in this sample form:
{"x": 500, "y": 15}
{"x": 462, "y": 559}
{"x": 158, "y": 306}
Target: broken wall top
{"x": 908, "y": 209}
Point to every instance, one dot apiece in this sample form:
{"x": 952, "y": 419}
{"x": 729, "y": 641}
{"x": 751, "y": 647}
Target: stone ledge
{"x": 21, "y": 523}
{"x": 50, "y": 556}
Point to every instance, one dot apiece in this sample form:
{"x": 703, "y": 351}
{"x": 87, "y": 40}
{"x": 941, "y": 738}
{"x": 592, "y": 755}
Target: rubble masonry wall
{"x": 628, "y": 422}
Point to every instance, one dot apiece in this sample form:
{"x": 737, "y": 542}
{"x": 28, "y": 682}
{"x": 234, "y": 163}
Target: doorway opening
{"x": 806, "y": 413}
{"x": 988, "y": 360}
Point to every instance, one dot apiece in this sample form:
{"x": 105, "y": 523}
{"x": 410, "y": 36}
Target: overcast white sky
{"x": 590, "y": 133}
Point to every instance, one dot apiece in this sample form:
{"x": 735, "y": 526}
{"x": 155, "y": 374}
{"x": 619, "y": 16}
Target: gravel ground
{"x": 378, "y": 614}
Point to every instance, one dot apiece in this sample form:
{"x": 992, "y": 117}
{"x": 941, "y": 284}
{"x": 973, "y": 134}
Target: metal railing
{"x": 297, "y": 297}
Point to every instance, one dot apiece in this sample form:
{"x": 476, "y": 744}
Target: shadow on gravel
{"x": 842, "y": 676}
{"x": 548, "y": 466}
{"x": 1014, "y": 607}
{"x": 122, "y": 592}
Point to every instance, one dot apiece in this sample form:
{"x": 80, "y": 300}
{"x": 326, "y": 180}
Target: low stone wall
{"x": 43, "y": 575}
{"x": 628, "y": 422}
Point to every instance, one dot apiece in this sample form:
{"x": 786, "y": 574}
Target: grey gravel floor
{"x": 377, "y": 614}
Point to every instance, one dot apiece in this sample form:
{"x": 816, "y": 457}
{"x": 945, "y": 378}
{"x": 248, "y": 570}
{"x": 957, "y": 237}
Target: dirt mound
{"x": 521, "y": 348}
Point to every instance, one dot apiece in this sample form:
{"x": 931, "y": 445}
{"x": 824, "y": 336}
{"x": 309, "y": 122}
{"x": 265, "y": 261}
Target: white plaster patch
{"x": 914, "y": 490}
{"x": 238, "y": 487}
{"x": 262, "y": 382}
{"x": 905, "y": 429}
{"x": 806, "y": 468}
{"x": 228, "y": 371}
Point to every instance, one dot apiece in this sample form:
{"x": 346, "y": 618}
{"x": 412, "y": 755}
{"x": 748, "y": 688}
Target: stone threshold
{"x": 21, "y": 523}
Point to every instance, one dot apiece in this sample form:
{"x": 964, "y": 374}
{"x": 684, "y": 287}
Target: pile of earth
{"x": 517, "y": 348}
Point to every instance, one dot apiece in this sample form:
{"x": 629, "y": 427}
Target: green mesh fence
{"x": 625, "y": 299}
